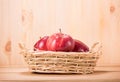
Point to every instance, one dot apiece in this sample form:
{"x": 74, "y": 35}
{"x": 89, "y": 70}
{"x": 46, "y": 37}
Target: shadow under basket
{"x": 62, "y": 62}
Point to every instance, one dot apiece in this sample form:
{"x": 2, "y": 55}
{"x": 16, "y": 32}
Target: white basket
{"x": 62, "y": 62}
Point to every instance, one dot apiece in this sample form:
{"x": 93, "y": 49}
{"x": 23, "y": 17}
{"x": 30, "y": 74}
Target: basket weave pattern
{"x": 61, "y": 62}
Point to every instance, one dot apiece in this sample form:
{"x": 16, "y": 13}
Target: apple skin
{"x": 41, "y": 44}
{"x": 60, "y": 42}
{"x": 80, "y": 46}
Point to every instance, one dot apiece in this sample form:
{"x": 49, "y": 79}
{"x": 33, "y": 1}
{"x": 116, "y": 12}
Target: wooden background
{"x": 87, "y": 20}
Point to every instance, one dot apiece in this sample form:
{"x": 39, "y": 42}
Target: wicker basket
{"x": 62, "y": 62}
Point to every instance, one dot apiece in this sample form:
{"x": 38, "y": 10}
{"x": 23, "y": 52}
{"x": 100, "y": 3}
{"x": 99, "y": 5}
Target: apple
{"x": 80, "y": 46}
{"x": 41, "y": 44}
{"x": 60, "y": 42}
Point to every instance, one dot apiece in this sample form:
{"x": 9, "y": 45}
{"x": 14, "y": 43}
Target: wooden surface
{"x": 89, "y": 21}
{"x": 101, "y": 74}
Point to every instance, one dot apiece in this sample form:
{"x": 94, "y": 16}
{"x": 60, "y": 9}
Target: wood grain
{"x": 89, "y": 21}
{"x": 102, "y": 74}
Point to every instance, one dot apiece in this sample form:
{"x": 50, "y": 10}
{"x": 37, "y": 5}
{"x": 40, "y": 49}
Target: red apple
{"x": 60, "y": 42}
{"x": 80, "y": 47}
{"x": 41, "y": 44}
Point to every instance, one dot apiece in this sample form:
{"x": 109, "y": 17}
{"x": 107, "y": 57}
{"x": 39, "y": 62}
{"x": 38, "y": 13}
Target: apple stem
{"x": 60, "y": 30}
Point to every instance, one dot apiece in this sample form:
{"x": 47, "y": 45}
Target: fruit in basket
{"x": 41, "y": 44}
{"x": 60, "y": 42}
{"x": 80, "y": 46}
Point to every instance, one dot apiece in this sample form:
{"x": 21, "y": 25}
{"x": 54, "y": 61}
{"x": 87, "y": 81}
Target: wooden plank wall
{"x": 89, "y": 21}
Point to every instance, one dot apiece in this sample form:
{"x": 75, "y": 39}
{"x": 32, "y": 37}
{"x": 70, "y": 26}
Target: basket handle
{"x": 22, "y": 47}
{"x": 99, "y": 50}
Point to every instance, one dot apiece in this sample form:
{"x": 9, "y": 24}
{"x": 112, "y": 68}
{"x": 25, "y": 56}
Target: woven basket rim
{"x": 57, "y": 52}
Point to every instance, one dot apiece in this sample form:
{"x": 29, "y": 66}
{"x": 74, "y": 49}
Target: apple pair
{"x": 60, "y": 42}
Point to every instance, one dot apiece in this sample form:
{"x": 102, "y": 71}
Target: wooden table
{"x": 101, "y": 74}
